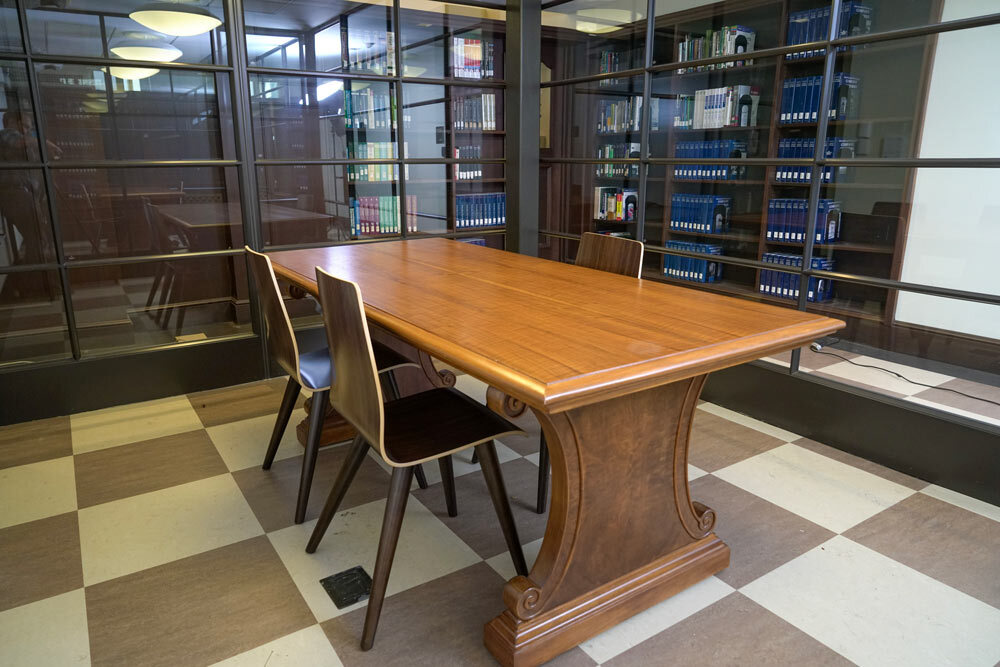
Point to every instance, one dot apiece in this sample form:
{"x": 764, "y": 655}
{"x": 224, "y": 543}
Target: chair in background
{"x": 305, "y": 369}
{"x": 423, "y": 427}
{"x": 168, "y": 278}
{"x": 604, "y": 253}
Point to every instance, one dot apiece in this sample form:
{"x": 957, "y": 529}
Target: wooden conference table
{"x": 612, "y": 367}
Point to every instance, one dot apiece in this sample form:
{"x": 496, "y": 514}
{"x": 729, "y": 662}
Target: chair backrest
{"x": 280, "y": 336}
{"x": 610, "y": 253}
{"x": 355, "y": 392}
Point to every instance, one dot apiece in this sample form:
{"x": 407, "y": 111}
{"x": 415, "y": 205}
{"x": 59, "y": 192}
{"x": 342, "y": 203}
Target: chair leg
{"x": 395, "y": 506}
{"x": 448, "y": 482}
{"x": 494, "y": 480}
{"x": 344, "y": 478}
{"x": 418, "y": 472}
{"x": 475, "y": 456}
{"x": 543, "y": 475}
{"x": 393, "y": 386}
{"x": 182, "y": 309}
{"x": 312, "y": 450}
{"x": 284, "y": 412}
{"x": 157, "y": 277}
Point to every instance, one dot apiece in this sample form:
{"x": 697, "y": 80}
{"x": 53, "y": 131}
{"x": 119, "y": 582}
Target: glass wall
{"x": 855, "y": 175}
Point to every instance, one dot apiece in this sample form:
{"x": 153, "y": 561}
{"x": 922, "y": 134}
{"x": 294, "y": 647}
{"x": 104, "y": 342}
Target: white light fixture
{"x": 133, "y": 73}
{"x": 176, "y": 18}
{"x": 147, "y": 49}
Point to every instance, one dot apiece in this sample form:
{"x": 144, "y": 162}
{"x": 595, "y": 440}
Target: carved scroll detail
{"x": 523, "y": 597}
{"x": 504, "y": 404}
{"x": 697, "y": 519}
{"x": 706, "y": 517}
{"x": 447, "y": 377}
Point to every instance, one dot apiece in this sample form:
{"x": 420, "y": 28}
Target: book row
{"x": 707, "y": 214}
{"x": 480, "y": 210}
{"x": 813, "y": 25}
{"x": 786, "y": 220}
{"x": 474, "y": 112}
{"x": 727, "y": 41}
{"x": 616, "y": 61}
{"x": 834, "y": 147}
{"x": 615, "y": 203}
{"x": 728, "y": 106}
{"x": 694, "y": 269}
{"x": 617, "y": 151}
{"x": 625, "y": 115}
{"x": 785, "y": 285}
{"x": 718, "y": 149}
{"x": 381, "y": 215}
{"x": 800, "y": 98}
{"x": 372, "y": 150}
{"x": 367, "y": 110}
{"x": 377, "y": 53}
{"x": 468, "y": 172}
{"x": 472, "y": 58}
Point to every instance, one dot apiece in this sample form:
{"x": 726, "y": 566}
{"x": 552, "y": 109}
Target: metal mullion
{"x": 400, "y": 137}
{"x": 74, "y": 338}
{"x": 149, "y": 259}
{"x": 122, "y": 62}
{"x": 138, "y": 164}
{"x": 920, "y": 31}
{"x": 27, "y": 268}
{"x": 644, "y": 124}
{"x": 354, "y": 76}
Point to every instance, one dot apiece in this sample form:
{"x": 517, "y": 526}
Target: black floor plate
{"x": 347, "y": 587}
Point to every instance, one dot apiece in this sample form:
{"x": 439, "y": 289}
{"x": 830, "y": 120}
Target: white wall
{"x": 954, "y": 231}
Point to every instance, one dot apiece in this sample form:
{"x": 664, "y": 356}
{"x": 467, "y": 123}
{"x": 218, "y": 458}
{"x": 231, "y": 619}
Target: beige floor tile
{"x": 426, "y": 550}
{"x": 52, "y": 631}
{"x": 132, "y": 423}
{"x": 39, "y": 559}
{"x": 243, "y": 444}
{"x": 36, "y": 490}
{"x": 966, "y": 403}
{"x": 139, "y": 532}
{"x": 862, "y": 464}
{"x": 35, "y": 441}
{"x": 305, "y": 647}
{"x": 197, "y": 610}
{"x": 883, "y": 379}
{"x": 504, "y": 566}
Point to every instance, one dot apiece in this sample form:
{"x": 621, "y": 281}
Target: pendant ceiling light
{"x": 133, "y": 73}
{"x": 146, "y": 49}
{"x": 176, "y": 18}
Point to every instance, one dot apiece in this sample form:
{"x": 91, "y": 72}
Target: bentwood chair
{"x": 604, "y": 253}
{"x": 305, "y": 369}
{"x": 424, "y": 427}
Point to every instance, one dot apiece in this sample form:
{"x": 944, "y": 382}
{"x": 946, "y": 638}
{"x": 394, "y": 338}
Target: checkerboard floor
{"x": 147, "y": 534}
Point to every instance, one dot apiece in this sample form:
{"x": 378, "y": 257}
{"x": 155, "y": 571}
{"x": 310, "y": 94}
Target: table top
{"x": 224, "y": 214}
{"x": 554, "y": 335}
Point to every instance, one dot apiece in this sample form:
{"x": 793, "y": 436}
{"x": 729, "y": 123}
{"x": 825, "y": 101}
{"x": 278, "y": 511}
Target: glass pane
{"x": 579, "y": 201}
{"x": 297, "y": 118}
{"x": 579, "y": 119}
{"x": 327, "y": 37}
{"x": 557, "y": 249}
{"x": 453, "y": 122}
{"x": 10, "y": 33}
{"x": 859, "y": 18}
{"x": 32, "y": 318}
{"x": 150, "y": 211}
{"x": 583, "y": 37}
{"x": 458, "y": 197}
{"x": 90, "y": 114}
{"x": 448, "y": 40}
{"x": 105, "y": 28}
{"x": 144, "y": 305}
{"x": 18, "y": 141}
{"x": 694, "y": 30}
{"x": 25, "y": 231}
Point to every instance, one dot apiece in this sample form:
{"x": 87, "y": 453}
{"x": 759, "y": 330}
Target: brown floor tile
{"x": 35, "y": 441}
{"x": 440, "y": 623}
{"x": 859, "y": 385}
{"x": 141, "y": 467}
{"x": 717, "y": 442}
{"x": 525, "y": 444}
{"x": 272, "y": 494}
{"x": 197, "y": 610}
{"x": 948, "y": 543}
{"x": 733, "y": 631}
{"x": 761, "y": 536}
{"x": 819, "y": 360}
{"x": 862, "y": 464}
{"x": 963, "y": 402}
{"x": 476, "y": 522}
{"x": 229, "y": 404}
{"x": 39, "y": 559}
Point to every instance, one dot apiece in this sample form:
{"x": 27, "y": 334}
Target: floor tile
{"x": 695, "y": 472}
{"x": 274, "y": 493}
{"x": 243, "y": 444}
{"x": 476, "y": 522}
{"x": 504, "y": 566}
{"x": 35, "y": 441}
{"x": 882, "y": 379}
{"x": 966, "y": 403}
{"x": 862, "y": 464}
{"x": 818, "y": 360}
{"x": 655, "y": 620}
{"x": 827, "y": 492}
{"x": 976, "y": 416}
{"x": 965, "y": 502}
{"x": 755, "y": 424}
{"x": 847, "y": 380}
{"x": 36, "y": 490}
{"x": 733, "y": 631}
{"x": 229, "y": 404}
{"x": 135, "y": 533}
{"x": 201, "y": 607}
{"x": 426, "y": 550}
{"x": 761, "y": 536}
{"x": 52, "y": 631}
{"x": 875, "y": 611}
{"x": 128, "y": 470}
{"x": 132, "y": 423}
{"x": 305, "y": 647}
{"x": 953, "y": 545}
{"x": 39, "y": 559}
{"x": 717, "y": 442}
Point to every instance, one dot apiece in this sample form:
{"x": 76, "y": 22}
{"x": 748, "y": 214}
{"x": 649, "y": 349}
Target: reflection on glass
{"x": 25, "y": 231}
{"x": 103, "y": 28}
{"x": 581, "y": 201}
{"x": 458, "y": 41}
{"x": 172, "y": 115}
{"x": 472, "y": 195}
{"x": 145, "y": 305}
{"x": 710, "y": 30}
{"x": 32, "y": 318}
{"x": 453, "y": 122}
{"x": 18, "y": 142}
{"x": 585, "y": 118}
{"x": 584, "y": 37}
{"x": 152, "y": 211}
{"x": 10, "y": 34}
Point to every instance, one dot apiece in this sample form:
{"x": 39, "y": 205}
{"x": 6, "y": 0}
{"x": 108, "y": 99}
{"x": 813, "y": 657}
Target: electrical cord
{"x": 816, "y": 347}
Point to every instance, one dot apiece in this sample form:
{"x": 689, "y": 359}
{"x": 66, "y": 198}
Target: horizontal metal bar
{"x": 915, "y": 163}
{"x": 623, "y": 74}
{"x": 26, "y": 268}
{"x": 20, "y": 165}
{"x": 932, "y": 290}
{"x": 358, "y": 76}
{"x": 149, "y": 259}
{"x": 463, "y": 83}
{"x": 405, "y": 161}
{"x": 751, "y": 161}
{"x": 133, "y": 164}
{"x": 122, "y": 62}
{"x": 920, "y": 31}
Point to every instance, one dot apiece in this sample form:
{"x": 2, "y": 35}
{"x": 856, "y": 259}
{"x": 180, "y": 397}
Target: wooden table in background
{"x": 612, "y": 367}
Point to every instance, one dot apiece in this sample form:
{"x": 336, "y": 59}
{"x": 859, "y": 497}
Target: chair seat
{"x": 437, "y": 422}
{"x": 314, "y": 366}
